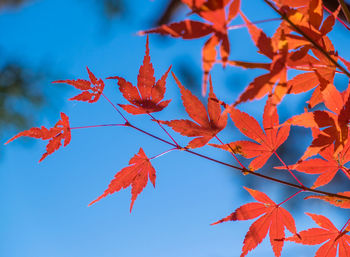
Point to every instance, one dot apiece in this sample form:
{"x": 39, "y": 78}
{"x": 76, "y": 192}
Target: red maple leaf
{"x": 61, "y": 131}
{"x": 266, "y": 143}
{"x": 135, "y": 175}
{"x": 92, "y": 89}
{"x": 326, "y": 167}
{"x": 275, "y": 219}
{"x": 203, "y": 128}
{"x": 214, "y": 12}
{"x": 146, "y": 98}
{"x": 328, "y": 234}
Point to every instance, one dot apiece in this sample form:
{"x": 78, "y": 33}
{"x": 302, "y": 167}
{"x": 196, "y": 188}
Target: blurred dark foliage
{"x": 11, "y": 3}
{"x": 20, "y": 85}
{"x": 18, "y": 91}
{"x": 111, "y": 9}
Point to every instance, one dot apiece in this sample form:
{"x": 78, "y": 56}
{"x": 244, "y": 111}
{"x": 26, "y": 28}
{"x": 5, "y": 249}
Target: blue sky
{"x": 44, "y": 206}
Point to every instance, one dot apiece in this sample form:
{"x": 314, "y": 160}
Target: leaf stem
{"x": 96, "y": 126}
{"x": 128, "y": 124}
{"x": 317, "y": 46}
{"x": 166, "y": 132}
{"x": 285, "y": 165}
{"x": 232, "y": 152}
{"x": 290, "y": 197}
{"x": 239, "y": 26}
{"x": 167, "y": 151}
{"x": 115, "y": 107}
{"x": 345, "y": 225}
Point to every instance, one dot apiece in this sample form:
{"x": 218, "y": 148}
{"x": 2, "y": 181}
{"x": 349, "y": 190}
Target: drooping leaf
{"x": 135, "y": 175}
{"x": 147, "y": 96}
{"x": 327, "y": 234}
{"x": 91, "y": 90}
{"x": 337, "y": 201}
{"x": 61, "y": 131}
{"x": 186, "y": 29}
{"x": 266, "y": 143}
{"x": 274, "y": 82}
{"x": 275, "y": 219}
{"x": 206, "y": 123}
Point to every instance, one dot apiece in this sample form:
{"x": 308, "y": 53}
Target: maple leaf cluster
{"x": 300, "y": 43}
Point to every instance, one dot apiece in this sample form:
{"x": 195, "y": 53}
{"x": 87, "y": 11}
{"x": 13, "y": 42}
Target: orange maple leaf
{"x": 266, "y": 142}
{"x": 334, "y": 123}
{"x": 275, "y": 219}
{"x": 203, "y": 128}
{"x": 214, "y": 12}
{"x": 61, "y": 131}
{"x": 328, "y": 233}
{"x": 146, "y": 98}
{"x": 273, "y": 82}
{"x": 278, "y": 49}
{"x": 135, "y": 175}
{"x": 92, "y": 89}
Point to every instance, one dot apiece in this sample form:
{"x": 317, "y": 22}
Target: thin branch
{"x": 243, "y": 170}
{"x": 239, "y": 26}
{"x": 292, "y": 196}
{"x": 314, "y": 43}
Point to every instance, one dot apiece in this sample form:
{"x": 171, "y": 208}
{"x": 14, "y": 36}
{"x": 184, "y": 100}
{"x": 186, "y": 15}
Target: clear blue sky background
{"x": 44, "y": 209}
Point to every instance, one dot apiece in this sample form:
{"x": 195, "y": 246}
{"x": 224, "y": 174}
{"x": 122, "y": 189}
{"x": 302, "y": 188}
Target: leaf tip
{"x": 131, "y": 205}
{"x": 113, "y": 77}
{"x": 215, "y": 223}
{"x": 8, "y": 141}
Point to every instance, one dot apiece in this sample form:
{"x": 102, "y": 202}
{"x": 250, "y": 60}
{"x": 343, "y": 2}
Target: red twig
{"x": 115, "y": 107}
{"x": 167, "y": 151}
{"x": 285, "y": 165}
{"x": 345, "y": 225}
{"x": 239, "y": 26}
{"x": 290, "y": 197}
{"x": 346, "y": 171}
{"x": 303, "y": 188}
{"x": 166, "y": 132}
